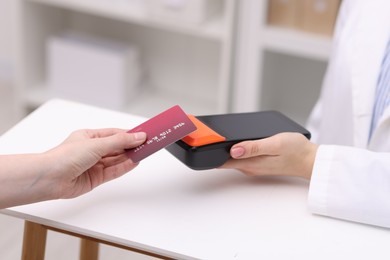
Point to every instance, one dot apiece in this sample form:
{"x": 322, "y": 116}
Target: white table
{"x": 166, "y": 209}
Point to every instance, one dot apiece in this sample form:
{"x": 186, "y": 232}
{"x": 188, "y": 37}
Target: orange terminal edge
{"x": 203, "y": 135}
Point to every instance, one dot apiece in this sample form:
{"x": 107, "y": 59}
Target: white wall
{"x": 6, "y": 38}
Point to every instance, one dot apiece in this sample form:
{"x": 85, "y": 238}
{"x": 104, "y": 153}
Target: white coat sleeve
{"x": 352, "y": 184}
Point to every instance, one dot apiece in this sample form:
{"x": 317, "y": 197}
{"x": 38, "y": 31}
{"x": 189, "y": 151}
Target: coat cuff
{"x": 318, "y": 191}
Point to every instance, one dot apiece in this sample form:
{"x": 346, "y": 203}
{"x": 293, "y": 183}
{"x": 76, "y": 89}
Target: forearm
{"x": 24, "y": 179}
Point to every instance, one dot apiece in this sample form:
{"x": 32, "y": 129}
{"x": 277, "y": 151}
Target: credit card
{"x": 161, "y": 130}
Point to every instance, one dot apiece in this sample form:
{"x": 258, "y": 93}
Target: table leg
{"x": 34, "y": 241}
{"x": 89, "y": 249}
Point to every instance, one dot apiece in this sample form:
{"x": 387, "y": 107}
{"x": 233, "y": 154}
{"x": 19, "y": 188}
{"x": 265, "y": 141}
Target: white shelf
{"x": 296, "y": 43}
{"x": 276, "y": 68}
{"x": 136, "y": 12}
{"x": 194, "y": 61}
{"x": 175, "y": 57}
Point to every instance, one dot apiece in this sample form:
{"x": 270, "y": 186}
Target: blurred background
{"x": 143, "y": 56}
{"x": 7, "y": 57}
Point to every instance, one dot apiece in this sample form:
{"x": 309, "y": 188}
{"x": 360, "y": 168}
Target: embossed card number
{"x": 162, "y": 130}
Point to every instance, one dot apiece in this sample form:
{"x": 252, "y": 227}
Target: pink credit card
{"x": 161, "y": 130}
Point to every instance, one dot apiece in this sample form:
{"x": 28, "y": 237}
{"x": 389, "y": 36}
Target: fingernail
{"x": 139, "y": 136}
{"x": 237, "y": 152}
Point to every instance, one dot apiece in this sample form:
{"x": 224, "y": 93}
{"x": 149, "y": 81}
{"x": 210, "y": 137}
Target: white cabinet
{"x": 184, "y": 63}
{"x": 233, "y": 61}
{"x": 276, "y": 68}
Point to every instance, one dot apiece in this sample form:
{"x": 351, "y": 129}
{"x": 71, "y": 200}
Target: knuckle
{"x": 277, "y": 145}
{"x": 255, "y": 149}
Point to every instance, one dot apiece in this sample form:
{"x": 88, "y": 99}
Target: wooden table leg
{"x": 34, "y": 241}
{"x": 89, "y": 249}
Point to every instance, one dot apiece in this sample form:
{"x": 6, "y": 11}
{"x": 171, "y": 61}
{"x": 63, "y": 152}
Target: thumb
{"x": 119, "y": 142}
{"x": 248, "y": 149}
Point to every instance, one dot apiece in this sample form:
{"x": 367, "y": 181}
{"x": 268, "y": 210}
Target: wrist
{"x": 24, "y": 180}
{"x": 40, "y": 184}
{"x": 309, "y": 160}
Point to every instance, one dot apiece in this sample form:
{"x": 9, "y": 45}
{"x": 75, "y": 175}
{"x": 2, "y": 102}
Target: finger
{"x": 100, "y": 174}
{"x": 118, "y": 170}
{"x": 103, "y": 132}
{"x": 241, "y": 164}
{"x": 118, "y": 142}
{"x": 114, "y": 159}
{"x": 229, "y": 164}
{"x": 259, "y": 166}
{"x": 249, "y": 167}
{"x": 83, "y": 134}
{"x": 247, "y": 149}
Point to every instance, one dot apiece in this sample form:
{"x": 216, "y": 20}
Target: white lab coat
{"x": 351, "y": 175}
